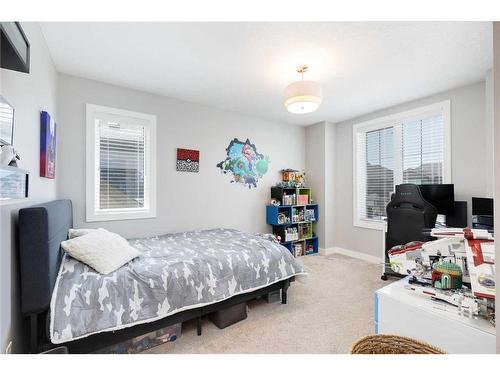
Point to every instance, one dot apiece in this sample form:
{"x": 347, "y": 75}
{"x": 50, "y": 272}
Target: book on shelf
{"x": 289, "y": 200}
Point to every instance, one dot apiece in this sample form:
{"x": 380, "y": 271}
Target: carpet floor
{"x": 327, "y": 312}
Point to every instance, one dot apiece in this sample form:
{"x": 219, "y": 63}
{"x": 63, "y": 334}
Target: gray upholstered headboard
{"x": 42, "y": 228}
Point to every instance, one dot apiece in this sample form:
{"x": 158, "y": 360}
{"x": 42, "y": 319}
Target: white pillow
{"x": 73, "y": 233}
{"x": 102, "y": 250}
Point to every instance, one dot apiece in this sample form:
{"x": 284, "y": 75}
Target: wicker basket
{"x": 392, "y": 344}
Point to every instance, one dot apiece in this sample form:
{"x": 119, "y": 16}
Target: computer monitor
{"x": 458, "y": 219}
{"x": 441, "y": 196}
{"x": 482, "y": 206}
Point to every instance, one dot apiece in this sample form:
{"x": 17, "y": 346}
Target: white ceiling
{"x": 244, "y": 67}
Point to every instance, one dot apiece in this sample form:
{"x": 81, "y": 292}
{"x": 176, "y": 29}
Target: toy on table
{"x": 446, "y": 275}
{"x": 439, "y": 268}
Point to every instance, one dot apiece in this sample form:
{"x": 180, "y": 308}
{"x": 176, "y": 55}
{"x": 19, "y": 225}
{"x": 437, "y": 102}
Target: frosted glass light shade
{"x": 303, "y": 96}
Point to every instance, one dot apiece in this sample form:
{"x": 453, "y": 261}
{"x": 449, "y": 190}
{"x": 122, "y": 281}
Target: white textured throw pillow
{"x": 102, "y": 250}
{"x": 73, "y": 233}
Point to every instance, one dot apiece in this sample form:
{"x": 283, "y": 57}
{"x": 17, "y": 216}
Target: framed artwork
{"x": 47, "y": 146}
{"x": 6, "y": 122}
{"x": 244, "y": 163}
{"x": 188, "y": 160}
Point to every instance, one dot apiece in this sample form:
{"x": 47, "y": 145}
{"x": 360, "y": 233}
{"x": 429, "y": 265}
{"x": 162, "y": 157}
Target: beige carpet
{"x": 326, "y": 312}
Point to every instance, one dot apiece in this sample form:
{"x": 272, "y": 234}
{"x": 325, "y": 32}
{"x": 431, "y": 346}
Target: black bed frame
{"x": 42, "y": 228}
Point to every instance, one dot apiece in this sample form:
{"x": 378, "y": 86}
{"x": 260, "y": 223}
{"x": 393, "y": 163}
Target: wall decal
{"x": 188, "y": 160}
{"x": 47, "y": 146}
{"x": 244, "y": 162}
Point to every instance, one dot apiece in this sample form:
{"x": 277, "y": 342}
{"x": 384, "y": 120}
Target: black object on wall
{"x": 14, "y": 47}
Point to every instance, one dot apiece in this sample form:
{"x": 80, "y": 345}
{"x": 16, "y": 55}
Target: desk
{"x": 401, "y": 312}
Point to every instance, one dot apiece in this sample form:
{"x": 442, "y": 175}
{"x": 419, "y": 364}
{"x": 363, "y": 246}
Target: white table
{"x": 402, "y": 312}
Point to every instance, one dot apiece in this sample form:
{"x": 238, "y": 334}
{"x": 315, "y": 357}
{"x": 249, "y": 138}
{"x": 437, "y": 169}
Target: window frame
{"x": 149, "y": 209}
{"x": 393, "y": 120}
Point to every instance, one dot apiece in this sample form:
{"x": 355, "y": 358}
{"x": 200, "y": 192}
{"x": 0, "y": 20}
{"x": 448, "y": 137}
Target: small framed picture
{"x": 47, "y": 146}
{"x": 188, "y": 160}
{"x": 6, "y": 122}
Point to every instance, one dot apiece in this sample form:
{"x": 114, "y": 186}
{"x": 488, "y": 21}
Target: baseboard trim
{"x": 352, "y": 254}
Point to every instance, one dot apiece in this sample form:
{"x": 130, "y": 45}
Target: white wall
{"x": 185, "y": 200}
{"x": 316, "y": 171}
{"x": 471, "y": 163}
{"x": 28, "y": 94}
{"x": 496, "y": 132}
{"x": 320, "y": 150}
{"x": 329, "y": 214}
{"x": 489, "y": 135}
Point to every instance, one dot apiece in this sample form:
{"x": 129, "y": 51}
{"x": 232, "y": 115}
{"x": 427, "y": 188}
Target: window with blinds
{"x": 423, "y": 150}
{"x": 120, "y": 164}
{"x": 411, "y": 147}
{"x": 379, "y": 169}
{"x": 120, "y": 177}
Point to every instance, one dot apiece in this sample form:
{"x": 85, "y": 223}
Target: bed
{"x": 178, "y": 277}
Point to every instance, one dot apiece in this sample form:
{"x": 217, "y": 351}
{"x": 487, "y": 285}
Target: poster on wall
{"x": 244, "y": 163}
{"x": 47, "y": 146}
{"x": 188, "y": 160}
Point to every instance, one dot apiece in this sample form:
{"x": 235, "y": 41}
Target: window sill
{"x": 368, "y": 224}
{"x": 116, "y": 216}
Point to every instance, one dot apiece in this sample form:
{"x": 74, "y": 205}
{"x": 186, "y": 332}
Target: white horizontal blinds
{"x": 6, "y": 121}
{"x": 378, "y": 171}
{"x": 120, "y": 165}
{"x": 410, "y": 147}
{"x": 423, "y": 150}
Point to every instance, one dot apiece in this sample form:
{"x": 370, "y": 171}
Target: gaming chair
{"x": 408, "y": 214}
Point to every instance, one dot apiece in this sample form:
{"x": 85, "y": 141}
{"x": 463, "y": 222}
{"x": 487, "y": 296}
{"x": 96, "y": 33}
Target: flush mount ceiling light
{"x": 303, "y": 96}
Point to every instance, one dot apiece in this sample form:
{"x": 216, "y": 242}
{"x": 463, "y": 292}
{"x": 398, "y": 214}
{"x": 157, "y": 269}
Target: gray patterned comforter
{"x": 174, "y": 272}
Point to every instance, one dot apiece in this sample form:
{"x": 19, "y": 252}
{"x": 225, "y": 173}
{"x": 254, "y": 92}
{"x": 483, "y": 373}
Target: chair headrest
{"x": 409, "y": 194}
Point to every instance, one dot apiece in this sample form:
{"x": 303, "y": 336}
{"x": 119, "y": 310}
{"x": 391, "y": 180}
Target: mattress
{"x": 175, "y": 272}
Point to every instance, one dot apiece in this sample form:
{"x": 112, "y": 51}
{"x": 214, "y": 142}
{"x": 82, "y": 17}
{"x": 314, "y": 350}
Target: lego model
{"x": 466, "y": 304}
{"x": 438, "y": 269}
{"x": 446, "y": 275}
{"x": 292, "y": 178}
{"x": 288, "y": 174}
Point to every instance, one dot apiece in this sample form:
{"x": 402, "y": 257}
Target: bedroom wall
{"x": 471, "y": 162}
{"x": 316, "y": 171}
{"x": 496, "y": 133}
{"x": 28, "y": 94}
{"x": 320, "y": 148}
{"x": 185, "y": 201}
